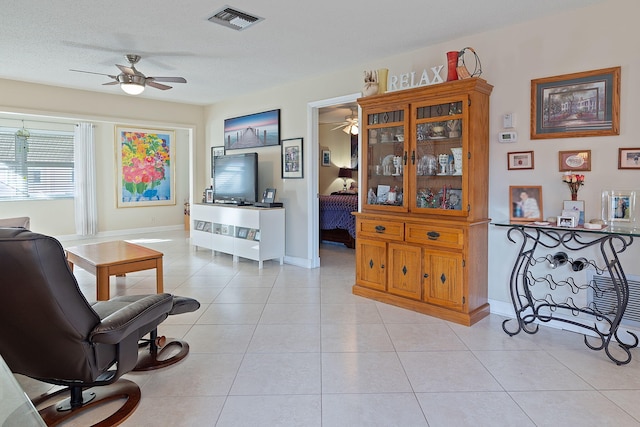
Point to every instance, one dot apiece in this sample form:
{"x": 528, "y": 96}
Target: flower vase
{"x": 452, "y": 63}
{"x": 574, "y": 196}
{"x": 383, "y": 74}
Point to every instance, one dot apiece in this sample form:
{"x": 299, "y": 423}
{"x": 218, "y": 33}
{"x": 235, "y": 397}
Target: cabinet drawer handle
{"x": 380, "y": 228}
{"x": 425, "y": 275}
{"x": 433, "y": 235}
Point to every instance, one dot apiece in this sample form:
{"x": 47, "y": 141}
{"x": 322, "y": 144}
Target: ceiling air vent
{"x": 233, "y": 18}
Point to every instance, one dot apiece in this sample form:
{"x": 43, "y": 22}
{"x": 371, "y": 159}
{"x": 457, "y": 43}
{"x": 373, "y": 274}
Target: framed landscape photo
{"x": 569, "y": 161}
{"x": 628, "y": 158}
{"x": 292, "y": 158}
{"x": 253, "y": 130}
{"x": 520, "y": 160}
{"x": 576, "y": 105}
{"x": 525, "y": 203}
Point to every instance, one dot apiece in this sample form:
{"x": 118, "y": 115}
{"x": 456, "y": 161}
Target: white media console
{"x": 242, "y": 231}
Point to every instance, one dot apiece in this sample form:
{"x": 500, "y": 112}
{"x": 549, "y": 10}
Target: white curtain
{"x": 86, "y": 207}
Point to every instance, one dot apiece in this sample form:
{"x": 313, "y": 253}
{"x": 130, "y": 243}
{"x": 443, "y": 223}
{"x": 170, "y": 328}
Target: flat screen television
{"x": 235, "y": 178}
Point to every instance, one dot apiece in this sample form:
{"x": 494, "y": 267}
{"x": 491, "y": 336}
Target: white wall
{"x": 590, "y": 38}
{"x": 339, "y": 144}
{"x": 37, "y": 103}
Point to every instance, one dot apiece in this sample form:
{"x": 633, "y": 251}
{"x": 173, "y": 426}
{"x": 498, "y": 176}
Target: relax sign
{"x": 409, "y": 80}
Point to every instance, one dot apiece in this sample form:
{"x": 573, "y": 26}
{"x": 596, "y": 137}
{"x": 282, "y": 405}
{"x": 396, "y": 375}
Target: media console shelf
{"x": 545, "y": 287}
{"x": 241, "y": 231}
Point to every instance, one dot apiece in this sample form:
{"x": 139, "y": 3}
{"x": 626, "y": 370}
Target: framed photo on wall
{"x": 253, "y": 130}
{"x": 292, "y": 158}
{"x": 569, "y": 161}
{"x": 520, "y": 160}
{"x": 216, "y": 152}
{"x": 576, "y": 105}
{"x": 525, "y": 203}
{"x": 326, "y": 158}
{"x": 139, "y": 182}
{"x": 628, "y": 158}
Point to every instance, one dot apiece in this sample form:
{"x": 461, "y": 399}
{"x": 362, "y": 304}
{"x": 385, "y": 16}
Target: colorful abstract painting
{"x": 146, "y": 167}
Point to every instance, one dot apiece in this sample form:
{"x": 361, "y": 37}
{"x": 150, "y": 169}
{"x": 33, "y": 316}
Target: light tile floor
{"x": 288, "y": 346}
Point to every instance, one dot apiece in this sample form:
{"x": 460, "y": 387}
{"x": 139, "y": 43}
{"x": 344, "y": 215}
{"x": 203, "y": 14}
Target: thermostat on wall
{"x": 507, "y": 136}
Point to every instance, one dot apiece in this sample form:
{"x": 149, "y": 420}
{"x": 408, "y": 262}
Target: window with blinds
{"x": 37, "y": 167}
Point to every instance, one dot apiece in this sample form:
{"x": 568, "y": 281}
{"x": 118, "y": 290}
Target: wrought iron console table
{"x": 532, "y": 293}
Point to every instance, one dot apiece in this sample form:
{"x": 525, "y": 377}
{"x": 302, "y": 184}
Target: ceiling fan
{"x": 350, "y": 124}
{"x": 132, "y": 81}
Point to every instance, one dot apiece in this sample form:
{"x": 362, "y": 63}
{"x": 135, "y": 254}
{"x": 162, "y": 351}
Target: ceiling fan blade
{"x": 157, "y": 85}
{"x": 168, "y": 79}
{"x": 126, "y": 70}
{"x": 110, "y": 83}
{"x": 341, "y": 125}
{"x": 91, "y": 72}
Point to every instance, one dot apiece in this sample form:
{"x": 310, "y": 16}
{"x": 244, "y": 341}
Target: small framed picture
{"x": 575, "y": 206}
{"x": 574, "y": 160}
{"x": 383, "y": 193}
{"x": 567, "y": 221}
{"x": 525, "y": 203}
{"x": 208, "y": 195}
{"x": 269, "y": 195}
{"x": 292, "y": 158}
{"x": 199, "y": 225}
{"x": 618, "y": 206}
{"x": 628, "y": 158}
{"x": 520, "y": 160}
{"x": 326, "y": 158}
{"x": 243, "y": 232}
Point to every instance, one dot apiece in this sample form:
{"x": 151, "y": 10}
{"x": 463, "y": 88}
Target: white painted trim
{"x": 311, "y": 164}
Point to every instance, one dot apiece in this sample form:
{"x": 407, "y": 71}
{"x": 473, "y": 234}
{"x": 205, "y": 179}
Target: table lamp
{"x": 345, "y": 174}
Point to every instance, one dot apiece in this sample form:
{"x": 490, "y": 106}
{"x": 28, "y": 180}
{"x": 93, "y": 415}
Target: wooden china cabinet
{"x": 422, "y": 233}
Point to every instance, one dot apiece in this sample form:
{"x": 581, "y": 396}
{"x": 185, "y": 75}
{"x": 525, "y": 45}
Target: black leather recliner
{"x": 50, "y": 332}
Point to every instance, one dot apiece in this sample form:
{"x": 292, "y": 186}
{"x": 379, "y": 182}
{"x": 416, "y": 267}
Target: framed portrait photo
{"x": 628, "y": 158}
{"x": 618, "y": 206}
{"x": 292, "y": 158}
{"x": 525, "y": 203}
{"x": 520, "y": 160}
{"x": 576, "y": 105}
{"x": 569, "y": 161}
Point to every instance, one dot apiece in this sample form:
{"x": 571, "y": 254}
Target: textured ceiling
{"x": 40, "y": 41}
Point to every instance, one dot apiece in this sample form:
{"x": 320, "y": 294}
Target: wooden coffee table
{"x": 114, "y": 259}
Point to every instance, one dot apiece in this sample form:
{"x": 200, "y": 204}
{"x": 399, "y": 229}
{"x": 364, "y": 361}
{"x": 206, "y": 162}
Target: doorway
{"x": 314, "y": 109}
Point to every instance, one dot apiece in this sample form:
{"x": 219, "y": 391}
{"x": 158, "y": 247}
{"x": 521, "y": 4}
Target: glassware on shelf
{"x": 457, "y": 160}
{"x": 443, "y": 160}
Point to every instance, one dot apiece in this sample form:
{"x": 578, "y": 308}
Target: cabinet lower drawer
{"x": 389, "y": 230}
{"x": 435, "y": 235}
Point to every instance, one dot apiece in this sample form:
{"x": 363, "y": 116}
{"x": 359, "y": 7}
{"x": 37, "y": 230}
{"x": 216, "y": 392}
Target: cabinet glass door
{"x": 438, "y": 157}
{"x": 385, "y": 159}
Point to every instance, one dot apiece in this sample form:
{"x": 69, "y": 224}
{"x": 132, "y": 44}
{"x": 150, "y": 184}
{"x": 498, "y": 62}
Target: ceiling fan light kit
{"x": 132, "y": 81}
{"x": 350, "y": 124}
